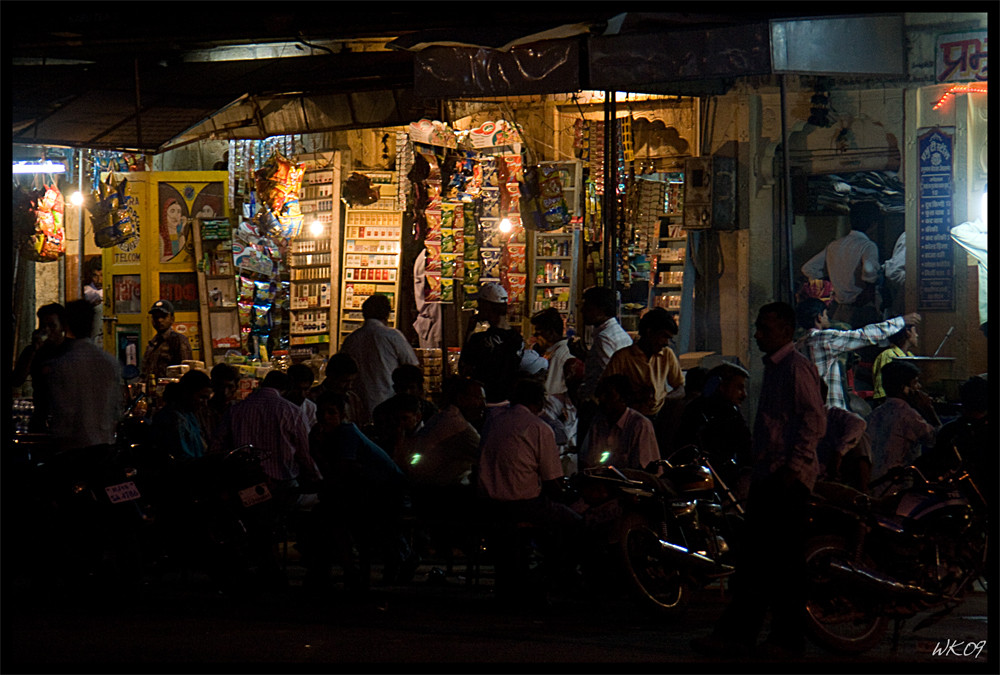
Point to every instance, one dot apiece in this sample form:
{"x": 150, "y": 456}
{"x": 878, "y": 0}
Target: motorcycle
{"x": 669, "y": 533}
{"x": 84, "y": 513}
{"x": 919, "y": 547}
{"x": 216, "y": 515}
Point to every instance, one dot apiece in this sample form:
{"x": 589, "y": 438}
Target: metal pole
{"x": 789, "y": 215}
{"x": 610, "y": 192}
{"x": 79, "y": 211}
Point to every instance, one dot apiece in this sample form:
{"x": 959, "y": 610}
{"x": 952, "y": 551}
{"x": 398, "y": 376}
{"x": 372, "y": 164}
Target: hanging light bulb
{"x": 76, "y": 198}
{"x": 506, "y": 225}
{"x": 315, "y": 228}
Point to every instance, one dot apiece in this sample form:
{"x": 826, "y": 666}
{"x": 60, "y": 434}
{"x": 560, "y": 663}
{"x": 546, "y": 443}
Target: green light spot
{"x": 415, "y": 458}
{"x": 605, "y": 456}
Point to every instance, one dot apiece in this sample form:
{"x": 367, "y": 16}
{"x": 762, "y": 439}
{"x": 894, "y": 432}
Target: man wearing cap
{"x": 493, "y": 356}
{"x": 168, "y": 347}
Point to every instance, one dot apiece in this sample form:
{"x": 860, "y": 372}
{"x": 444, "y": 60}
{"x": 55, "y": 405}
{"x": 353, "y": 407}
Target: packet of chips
{"x": 265, "y": 292}
{"x": 261, "y": 319}
{"x": 247, "y": 289}
{"x": 469, "y": 219}
{"x": 433, "y": 219}
{"x": 490, "y": 203}
{"x": 447, "y": 265}
{"x": 517, "y": 261}
{"x": 447, "y": 215}
{"x": 432, "y": 289}
{"x": 447, "y": 290}
{"x": 470, "y": 248}
{"x": 512, "y": 168}
{"x": 471, "y": 271}
{"x": 433, "y": 259}
{"x": 517, "y": 283}
{"x": 490, "y": 177}
{"x": 491, "y": 262}
{"x": 447, "y": 240}
{"x": 244, "y": 309}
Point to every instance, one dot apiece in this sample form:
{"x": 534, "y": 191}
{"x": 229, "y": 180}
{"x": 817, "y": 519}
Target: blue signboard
{"x": 935, "y": 268}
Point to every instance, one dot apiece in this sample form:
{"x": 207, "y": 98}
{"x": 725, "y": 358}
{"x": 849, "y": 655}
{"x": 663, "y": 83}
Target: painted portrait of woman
{"x": 173, "y": 222}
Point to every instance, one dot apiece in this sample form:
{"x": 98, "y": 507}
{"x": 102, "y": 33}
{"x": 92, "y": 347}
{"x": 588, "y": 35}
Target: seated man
{"x": 896, "y": 429}
{"x": 844, "y": 453}
{"x": 715, "y": 423}
{"x": 619, "y": 436}
{"x": 901, "y": 343}
{"x": 362, "y": 496}
{"x": 407, "y": 379}
{"x": 176, "y": 427}
{"x": 520, "y": 472}
{"x": 650, "y": 364}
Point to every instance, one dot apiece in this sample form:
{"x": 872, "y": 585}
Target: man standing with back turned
{"x": 790, "y": 422}
{"x": 852, "y": 265}
{"x": 378, "y": 350}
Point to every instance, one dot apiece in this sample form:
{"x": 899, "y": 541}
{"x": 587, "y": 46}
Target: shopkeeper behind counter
{"x": 168, "y": 347}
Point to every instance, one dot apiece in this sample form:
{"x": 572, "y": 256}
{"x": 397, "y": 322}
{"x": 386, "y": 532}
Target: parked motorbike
{"x": 216, "y": 515}
{"x": 668, "y": 533}
{"x": 920, "y": 547}
{"x": 83, "y": 514}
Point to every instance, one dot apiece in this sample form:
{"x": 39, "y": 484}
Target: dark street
{"x": 406, "y": 628}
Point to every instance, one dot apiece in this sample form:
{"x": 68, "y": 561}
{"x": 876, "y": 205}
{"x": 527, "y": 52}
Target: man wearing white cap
{"x": 493, "y": 356}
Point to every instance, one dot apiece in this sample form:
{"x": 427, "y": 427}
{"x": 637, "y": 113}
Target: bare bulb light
{"x": 506, "y": 225}
{"x": 76, "y": 199}
{"x": 315, "y": 228}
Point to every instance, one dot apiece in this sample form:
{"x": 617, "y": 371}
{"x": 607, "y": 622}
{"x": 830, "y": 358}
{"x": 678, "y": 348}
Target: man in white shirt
{"x": 378, "y": 350}
{"x": 600, "y": 310}
{"x": 519, "y": 472}
{"x": 852, "y": 265}
{"x": 973, "y": 237}
{"x": 559, "y": 409}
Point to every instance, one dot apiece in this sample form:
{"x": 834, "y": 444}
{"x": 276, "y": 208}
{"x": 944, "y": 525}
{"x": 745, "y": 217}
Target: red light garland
{"x": 969, "y": 88}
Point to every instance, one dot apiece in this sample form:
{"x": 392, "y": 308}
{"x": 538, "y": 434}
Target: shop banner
{"x": 961, "y": 57}
{"x": 935, "y": 268}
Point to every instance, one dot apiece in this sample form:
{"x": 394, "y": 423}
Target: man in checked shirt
{"x": 824, "y": 345}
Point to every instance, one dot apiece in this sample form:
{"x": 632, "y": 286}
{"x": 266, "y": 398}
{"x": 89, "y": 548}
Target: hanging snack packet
{"x": 447, "y": 265}
{"x": 447, "y": 240}
{"x": 470, "y": 248}
{"x": 447, "y": 215}
{"x": 433, "y": 219}
{"x": 518, "y": 283}
{"x": 512, "y": 168}
{"x": 265, "y": 292}
{"x": 247, "y": 289}
{"x": 471, "y": 269}
{"x": 490, "y": 203}
{"x": 469, "y": 218}
{"x": 517, "y": 261}
{"x": 490, "y": 177}
{"x": 244, "y": 309}
{"x": 447, "y": 290}
{"x": 432, "y": 291}
{"x": 261, "y": 317}
{"x": 433, "y": 259}
{"x": 491, "y": 262}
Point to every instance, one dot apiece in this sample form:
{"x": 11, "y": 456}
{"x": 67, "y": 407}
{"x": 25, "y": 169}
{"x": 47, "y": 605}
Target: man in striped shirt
{"x": 278, "y": 429}
{"x": 824, "y": 345}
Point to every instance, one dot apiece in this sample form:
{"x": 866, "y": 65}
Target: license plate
{"x": 255, "y": 495}
{"x": 123, "y": 492}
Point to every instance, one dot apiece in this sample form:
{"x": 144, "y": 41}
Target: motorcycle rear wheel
{"x": 659, "y": 587}
{"x": 839, "y": 617}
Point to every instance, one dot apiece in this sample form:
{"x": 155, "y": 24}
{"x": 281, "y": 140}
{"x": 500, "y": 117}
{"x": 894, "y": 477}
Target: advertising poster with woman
{"x": 179, "y": 204}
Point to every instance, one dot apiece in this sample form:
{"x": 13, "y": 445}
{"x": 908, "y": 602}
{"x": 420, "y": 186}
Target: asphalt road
{"x": 421, "y": 627}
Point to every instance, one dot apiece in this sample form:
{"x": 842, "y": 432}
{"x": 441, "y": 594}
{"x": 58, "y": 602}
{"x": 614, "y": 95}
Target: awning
{"x": 96, "y": 107}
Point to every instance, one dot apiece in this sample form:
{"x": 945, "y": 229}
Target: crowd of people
{"x": 362, "y": 444}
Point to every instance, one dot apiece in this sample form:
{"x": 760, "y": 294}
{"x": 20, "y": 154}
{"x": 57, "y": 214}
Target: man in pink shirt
{"x": 770, "y": 573}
